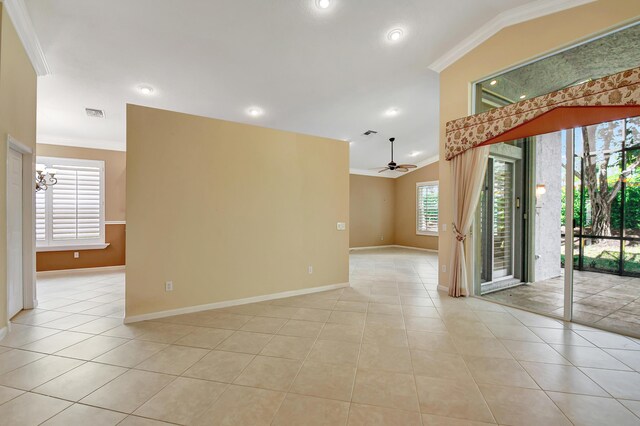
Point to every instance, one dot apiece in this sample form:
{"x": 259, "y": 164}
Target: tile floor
{"x": 389, "y": 350}
{"x": 604, "y": 300}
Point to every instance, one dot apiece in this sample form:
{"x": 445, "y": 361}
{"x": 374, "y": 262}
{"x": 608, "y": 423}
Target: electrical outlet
{"x": 76, "y": 255}
{"x": 168, "y": 286}
{"x": 381, "y": 237}
{"x": 310, "y": 269}
{"x": 341, "y": 226}
{"x": 444, "y": 227}
{"x": 444, "y": 268}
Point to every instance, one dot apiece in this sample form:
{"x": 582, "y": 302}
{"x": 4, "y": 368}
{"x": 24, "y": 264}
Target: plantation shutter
{"x": 72, "y": 211}
{"x": 427, "y": 208}
{"x": 502, "y": 218}
{"x": 41, "y": 219}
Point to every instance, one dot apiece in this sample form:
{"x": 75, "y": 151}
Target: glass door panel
{"x": 607, "y": 275}
{"x": 521, "y": 227}
{"x": 503, "y": 203}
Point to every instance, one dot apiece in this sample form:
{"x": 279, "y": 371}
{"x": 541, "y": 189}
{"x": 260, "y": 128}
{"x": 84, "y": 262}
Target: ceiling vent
{"x": 369, "y": 132}
{"x": 95, "y": 113}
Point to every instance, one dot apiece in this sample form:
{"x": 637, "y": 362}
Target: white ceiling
{"x": 330, "y": 73}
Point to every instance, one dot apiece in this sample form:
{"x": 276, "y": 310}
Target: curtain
{"x": 468, "y": 171}
{"x": 606, "y": 99}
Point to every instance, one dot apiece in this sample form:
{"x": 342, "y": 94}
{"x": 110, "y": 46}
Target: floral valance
{"x": 608, "y": 98}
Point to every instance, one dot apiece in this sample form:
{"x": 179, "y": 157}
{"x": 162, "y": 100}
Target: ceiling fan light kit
{"x": 396, "y": 167}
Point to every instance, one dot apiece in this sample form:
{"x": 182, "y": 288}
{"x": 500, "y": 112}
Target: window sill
{"x": 76, "y": 247}
{"x": 427, "y": 234}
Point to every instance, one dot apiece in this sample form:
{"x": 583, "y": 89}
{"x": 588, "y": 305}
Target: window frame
{"x": 417, "y": 209}
{"x": 72, "y": 244}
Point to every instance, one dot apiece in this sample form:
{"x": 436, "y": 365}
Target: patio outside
{"x": 606, "y": 227}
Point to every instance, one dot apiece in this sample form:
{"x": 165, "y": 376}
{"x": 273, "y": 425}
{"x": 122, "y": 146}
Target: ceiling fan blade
{"x": 383, "y": 170}
{"x": 408, "y": 166}
{"x": 402, "y": 169}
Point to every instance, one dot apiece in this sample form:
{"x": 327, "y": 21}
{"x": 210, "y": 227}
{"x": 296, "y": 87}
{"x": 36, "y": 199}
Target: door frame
{"x": 28, "y": 223}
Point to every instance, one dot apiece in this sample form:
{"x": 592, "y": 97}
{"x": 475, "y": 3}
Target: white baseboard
{"x": 443, "y": 288}
{"x": 3, "y": 332}
{"x": 393, "y": 246}
{"x": 371, "y": 247}
{"x": 42, "y": 274}
{"x": 229, "y": 303}
{"x": 417, "y": 248}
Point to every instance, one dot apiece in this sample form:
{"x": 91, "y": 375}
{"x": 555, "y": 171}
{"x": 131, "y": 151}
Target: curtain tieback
{"x": 459, "y": 235}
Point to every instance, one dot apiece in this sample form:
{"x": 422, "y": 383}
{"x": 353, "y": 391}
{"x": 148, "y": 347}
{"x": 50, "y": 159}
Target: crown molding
{"x": 426, "y": 162}
{"x": 505, "y": 19}
{"x": 83, "y": 143}
{"x": 394, "y": 175}
{"x": 21, "y": 20}
{"x": 364, "y": 172}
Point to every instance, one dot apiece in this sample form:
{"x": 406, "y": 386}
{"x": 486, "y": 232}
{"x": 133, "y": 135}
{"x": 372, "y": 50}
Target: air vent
{"x": 95, "y": 113}
{"x": 370, "y": 132}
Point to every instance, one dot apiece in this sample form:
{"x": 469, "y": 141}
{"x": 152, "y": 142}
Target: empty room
{"x": 320, "y": 212}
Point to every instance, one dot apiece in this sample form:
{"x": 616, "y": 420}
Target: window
{"x": 71, "y": 212}
{"x": 427, "y": 208}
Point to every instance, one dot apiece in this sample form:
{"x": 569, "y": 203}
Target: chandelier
{"x": 45, "y": 177}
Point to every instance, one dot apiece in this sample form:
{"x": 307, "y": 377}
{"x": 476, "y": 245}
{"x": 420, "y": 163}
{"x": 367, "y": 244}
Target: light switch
{"x": 342, "y": 226}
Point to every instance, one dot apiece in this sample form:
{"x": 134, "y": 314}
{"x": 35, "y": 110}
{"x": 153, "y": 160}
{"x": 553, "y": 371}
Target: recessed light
{"x": 255, "y": 111}
{"x": 392, "y": 112}
{"x": 145, "y": 90}
{"x": 415, "y": 154}
{"x": 493, "y": 82}
{"x": 523, "y": 96}
{"x": 395, "y": 34}
{"x": 323, "y": 4}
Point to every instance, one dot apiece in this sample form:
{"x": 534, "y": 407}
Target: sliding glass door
{"x": 521, "y": 225}
{"x": 558, "y": 225}
{"x": 497, "y": 221}
{"x": 606, "y": 252}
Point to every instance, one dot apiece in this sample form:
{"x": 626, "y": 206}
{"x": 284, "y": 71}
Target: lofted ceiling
{"x": 332, "y": 72}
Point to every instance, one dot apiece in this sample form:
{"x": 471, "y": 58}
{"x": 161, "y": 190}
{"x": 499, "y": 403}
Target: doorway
{"x": 20, "y": 223}
{"x": 500, "y": 217}
{"x": 15, "y": 301}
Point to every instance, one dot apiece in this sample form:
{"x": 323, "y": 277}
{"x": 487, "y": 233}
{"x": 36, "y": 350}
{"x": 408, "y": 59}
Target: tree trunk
{"x": 596, "y": 182}
{"x": 601, "y": 216}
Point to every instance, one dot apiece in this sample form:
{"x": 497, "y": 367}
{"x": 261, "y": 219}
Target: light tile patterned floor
{"x": 388, "y": 350}
{"x": 604, "y": 300}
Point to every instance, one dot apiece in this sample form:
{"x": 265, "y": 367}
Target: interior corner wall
{"x": 229, "y": 211}
{"x": 115, "y": 212}
{"x": 18, "y": 119}
{"x": 511, "y": 46}
{"x": 405, "y": 208}
{"x": 371, "y": 211}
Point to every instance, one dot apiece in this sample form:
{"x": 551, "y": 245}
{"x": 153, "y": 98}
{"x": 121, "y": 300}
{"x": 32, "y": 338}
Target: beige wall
{"x": 114, "y": 174}
{"x": 512, "y": 46}
{"x": 237, "y": 210}
{"x": 405, "y": 208}
{"x": 18, "y": 119}
{"x": 371, "y": 211}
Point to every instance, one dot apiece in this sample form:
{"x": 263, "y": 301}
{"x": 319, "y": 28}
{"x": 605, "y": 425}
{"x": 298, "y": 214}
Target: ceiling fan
{"x": 397, "y": 167}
